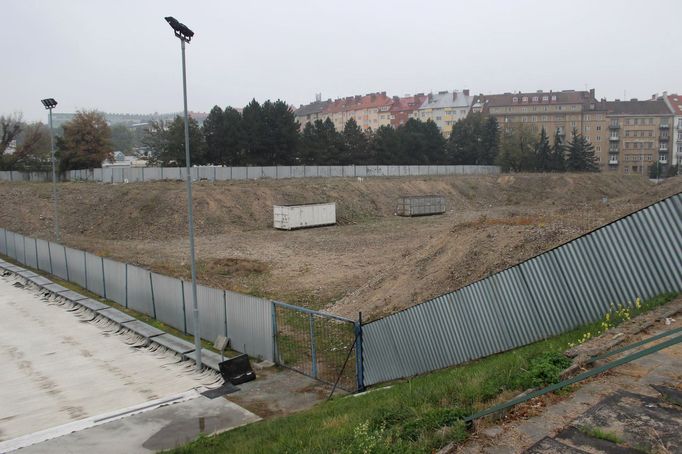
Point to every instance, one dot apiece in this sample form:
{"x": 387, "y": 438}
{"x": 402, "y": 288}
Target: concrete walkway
{"x": 58, "y": 369}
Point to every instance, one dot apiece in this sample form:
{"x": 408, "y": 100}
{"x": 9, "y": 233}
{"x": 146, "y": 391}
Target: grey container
{"x": 420, "y": 205}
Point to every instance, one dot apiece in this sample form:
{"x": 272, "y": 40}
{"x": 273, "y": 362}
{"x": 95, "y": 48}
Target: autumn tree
{"x": 10, "y": 128}
{"x": 85, "y": 143}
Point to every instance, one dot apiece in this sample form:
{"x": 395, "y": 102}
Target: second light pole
{"x": 185, "y": 35}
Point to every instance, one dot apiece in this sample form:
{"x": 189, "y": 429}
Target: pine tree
{"x": 385, "y": 146}
{"x": 490, "y": 142}
{"x": 354, "y": 144}
{"x": 580, "y": 154}
{"x": 214, "y": 134}
{"x": 543, "y": 153}
{"x": 558, "y": 159}
{"x": 233, "y": 138}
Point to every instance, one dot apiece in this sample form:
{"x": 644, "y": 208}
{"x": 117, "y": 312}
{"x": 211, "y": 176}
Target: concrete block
{"x": 73, "y": 296}
{"x": 142, "y": 329}
{"x": 55, "y": 288}
{"x": 173, "y": 343}
{"x": 208, "y": 358}
{"x": 116, "y": 315}
{"x": 93, "y": 305}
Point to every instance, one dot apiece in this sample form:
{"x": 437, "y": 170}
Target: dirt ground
{"x": 372, "y": 261}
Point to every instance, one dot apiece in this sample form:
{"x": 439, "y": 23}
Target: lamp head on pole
{"x": 49, "y": 103}
{"x": 180, "y": 29}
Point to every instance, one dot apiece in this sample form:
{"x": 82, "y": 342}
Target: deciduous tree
{"x": 85, "y": 143}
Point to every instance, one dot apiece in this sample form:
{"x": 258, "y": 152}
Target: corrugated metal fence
{"x": 638, "y": 255}
{"x": 211, "y": 173}
{"x": 245, "y": 320}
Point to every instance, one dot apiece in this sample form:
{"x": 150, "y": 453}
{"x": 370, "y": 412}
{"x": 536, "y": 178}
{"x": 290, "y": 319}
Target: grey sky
{"x": 121, "y": 56}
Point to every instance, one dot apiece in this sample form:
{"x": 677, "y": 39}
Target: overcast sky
{"x": 121, "y": 56}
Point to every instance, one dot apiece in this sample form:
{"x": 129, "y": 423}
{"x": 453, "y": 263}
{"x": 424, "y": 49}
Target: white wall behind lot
{"x": 211, "y": 173}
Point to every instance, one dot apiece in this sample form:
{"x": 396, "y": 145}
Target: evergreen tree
{"x": 233, "y": 138}
{"x": 419, "y": 143}
{"x": 280, "y": 137}
{"x": 558, "y": 159}
{"x": 384, "y": 146}
{"x": 214, "y": 134}
{"x": 253, "y": 128}
{"x": 354, "y": 144}
{"x": 580, "y": 154}
{"x": 490, "y": 142}
{"x": 543, "y": 153}
{"x": 166, "y": 142}
{"x": 474, "y": 140}
{"x": 320, "y": 144}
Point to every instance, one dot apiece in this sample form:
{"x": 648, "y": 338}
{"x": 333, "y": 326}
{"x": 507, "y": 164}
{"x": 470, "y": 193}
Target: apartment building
{"x": 674, "y": 103}
{"x": 445, "y": 109}
{"x": 560, "y": 111}
{"x": 639, "y": 135}
{"x": 367, "y": 110}
{"x": 402, "y": 108}
{"x": 312, "y": 112}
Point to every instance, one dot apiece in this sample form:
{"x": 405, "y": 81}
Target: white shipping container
{"x": 288, "y": 217}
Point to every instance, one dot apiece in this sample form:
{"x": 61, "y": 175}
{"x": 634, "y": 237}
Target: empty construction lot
{"x": 372, "y": 261}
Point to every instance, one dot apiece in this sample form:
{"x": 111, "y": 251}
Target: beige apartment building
{"x": 555, "y": 111}
{"x": 445, "y": 109}
{"x": 312, "y": 112}
{"x": 369, "y": 111}
{"x": 674, "y": 103}
{"x": 640, "y": 135}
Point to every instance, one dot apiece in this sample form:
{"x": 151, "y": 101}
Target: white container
{"x": 288, "y": 217}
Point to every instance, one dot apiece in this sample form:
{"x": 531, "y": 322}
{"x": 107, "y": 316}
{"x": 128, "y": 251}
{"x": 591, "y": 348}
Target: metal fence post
{"x": 66, "y": 262}
{"x": 104, "y": 279}
{"x": 184, "y": 311}
{"x": 126, "y": 283}
{"x": 359, "y": 366}
{"x": 85, "y": 267}
{"x": 49, "y": 254}
{"x": 151, "y": 287}
{"x": 5, "y": 230}
{"x": 35, "y": 242}
{"x": 313, "y": 347}
{"x": 225, "y": 311}
{"x": 275, "y": 358}
{"x": 24, "y": 236}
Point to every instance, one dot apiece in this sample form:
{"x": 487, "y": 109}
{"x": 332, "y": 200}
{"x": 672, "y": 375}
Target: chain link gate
{"x": 323, "y": 346}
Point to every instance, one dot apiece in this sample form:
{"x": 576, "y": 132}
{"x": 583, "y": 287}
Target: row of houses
{"x": 629, "y": 136}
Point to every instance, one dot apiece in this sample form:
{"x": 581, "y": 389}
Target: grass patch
{"x": 419, "y": 415}
{"x": 601, "y": 434}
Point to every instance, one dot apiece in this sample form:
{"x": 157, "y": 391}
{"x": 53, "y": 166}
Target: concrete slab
{"x": 58, "y": 370}
{"x": 14, "y": 268}
{"x": 93, "y": 305}
{"x": 549, "y": 446}
{"x": 142, "y": 329}
{"x": 55, "y": 288}
{"x": 73, "y": 296}
{"x": 27, "y": 274}
{"x": 159, "y": 429}
{"x": 116, "y": 316}
{"x": 208, "y": 358}
{"x": 40, "y": 280}
{"x": 171, "y": 342}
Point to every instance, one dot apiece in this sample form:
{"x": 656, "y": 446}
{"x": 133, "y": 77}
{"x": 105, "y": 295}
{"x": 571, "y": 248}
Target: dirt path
{"x": 372, "y": 261}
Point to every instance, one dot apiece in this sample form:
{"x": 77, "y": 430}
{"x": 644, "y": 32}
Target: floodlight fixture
{"x": 49, "y": 103}
{"x": 181, "y": 30}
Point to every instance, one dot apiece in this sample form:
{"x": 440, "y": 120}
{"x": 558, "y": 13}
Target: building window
{"x": 545, "y": 98}
{"x": 553, "y": 97}
{"x": 438, "y": 118}
{"x": 524, "y": 99}
{"x": 515, "y": 99}
{"x": 535, "y": 99}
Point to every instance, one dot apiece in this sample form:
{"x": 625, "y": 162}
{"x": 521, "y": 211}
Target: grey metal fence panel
{"x": 31, "y": 252}
{"x": 223, "y": 173}
{"x": 324, "y": 171}
{"x": 115, "y": 281}
{"x": 249, "y": 325}
{"x": 310, "y": 171}
{"x": 361, "y": 171}
{"x": 139, "y": 290}
{"x": 297, "y": 171}
{"x": 43, "y": 255}
{"x": 348, "y": 171}
{"x": 171, "y": 173}
{"x": 19, "y": 252}
{"x": 94, "y": 274}
{"x": 152, "y": 173}
{"x": 283, "y": 171}
{"x": 254, "y": 173}
{"x": 336, "y": 171}
{"x": 98, "y": 174}
{"x": 393, "y": 171}
{"x": 573, "y": 284}
{"x": 205, "y": 173}
{"x": 3, "y": 243}
{"x": 239, "y": 173}
{"x": 107, "y": 175}
{"x": 211, "y": 311}
{"x": 372, "y": 171}
{"x": 269, "y": 172}
{"x": 11, "y": 245}
{"x": 75, "y": 260}
{"x": 168, "y": 299}
{"x": 58, "y": 258}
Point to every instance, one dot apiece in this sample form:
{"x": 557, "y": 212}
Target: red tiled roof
{"x": 408, "y": 103}
{"x": 369, "y": 101}
{"x": 675, "y": 102}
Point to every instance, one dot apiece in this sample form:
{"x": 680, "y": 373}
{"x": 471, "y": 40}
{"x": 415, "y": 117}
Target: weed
{"x": 601, "y": 434}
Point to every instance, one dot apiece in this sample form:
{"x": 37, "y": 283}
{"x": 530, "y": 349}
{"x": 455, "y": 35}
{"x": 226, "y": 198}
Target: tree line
{"x": 268, "y": 134}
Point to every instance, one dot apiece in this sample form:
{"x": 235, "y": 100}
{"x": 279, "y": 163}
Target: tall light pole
{"x": 185, "y": 35}
{"x": 50, "y": 104}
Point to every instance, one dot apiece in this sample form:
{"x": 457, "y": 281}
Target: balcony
{"x": 663, "y": 159}
{"x": 679, "y": 125}
{"x": 663, "y": 138}
{"x": 664, "y": 126}
{"x": 663, "y": 147}
{"x": 614, "y": 126}
{"x": 613, "y": 138}
{"x": 613, "y": 160}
